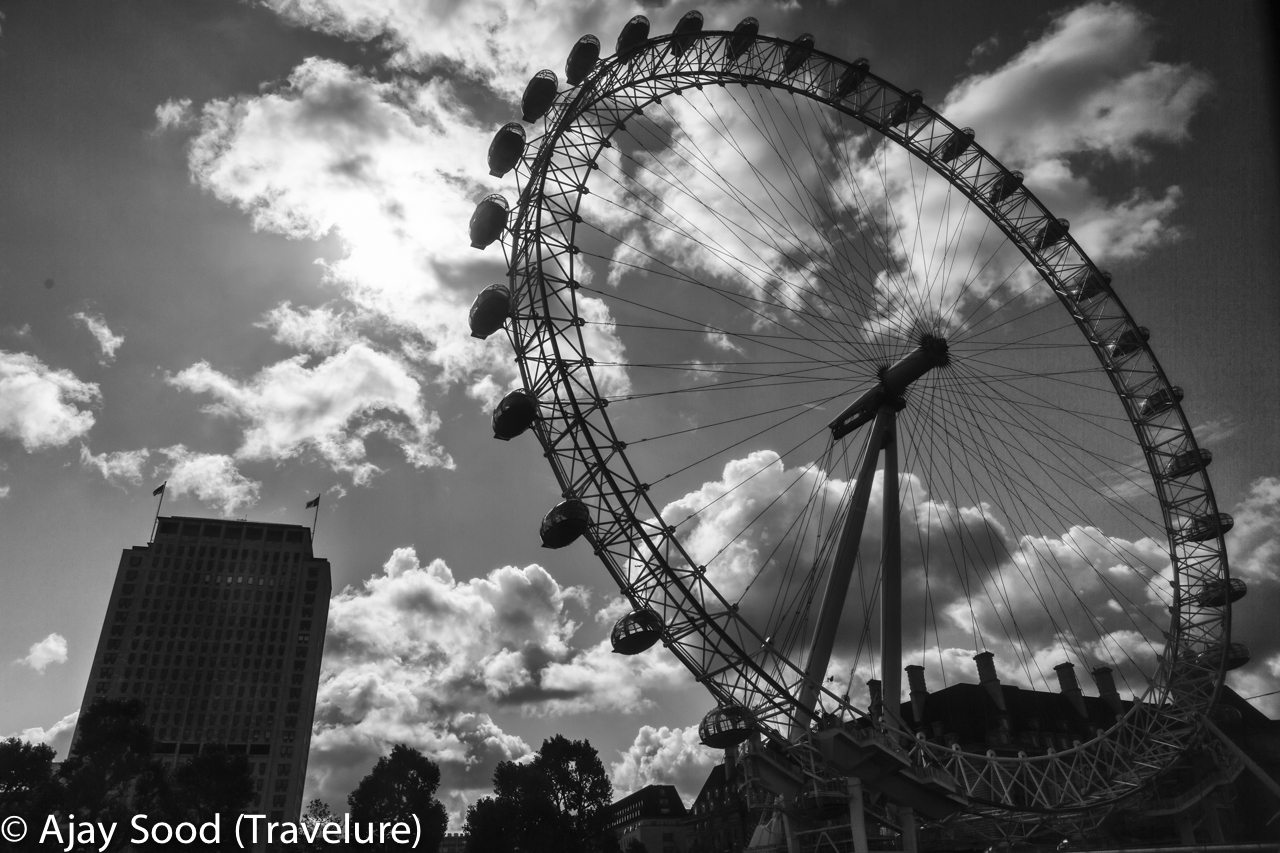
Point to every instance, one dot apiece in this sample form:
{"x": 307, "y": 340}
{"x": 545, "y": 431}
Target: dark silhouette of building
{"x": 453, "y": 842}
{"x": 217, "y": 626}
{"x": 655, "y": 816}
{"x": 719, "y": 820}
{"x": 1221, "y": 791}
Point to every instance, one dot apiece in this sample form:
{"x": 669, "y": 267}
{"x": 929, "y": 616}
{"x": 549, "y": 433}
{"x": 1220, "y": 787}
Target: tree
{"x": 492, "y": 826}
{"x": 26, "y": 772}
{"x": 213, "y": 782}
{"x": 554, "y": 804}
{"x": 28, "y": 785}
{"x": 399, "y": 787}
{"x": 579, "y": 786}
{"x": 110, "y": 775}
{"x": 317, "y": 814}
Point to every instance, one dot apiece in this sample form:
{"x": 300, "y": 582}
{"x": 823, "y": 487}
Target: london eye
{"x": 831, "y": 394}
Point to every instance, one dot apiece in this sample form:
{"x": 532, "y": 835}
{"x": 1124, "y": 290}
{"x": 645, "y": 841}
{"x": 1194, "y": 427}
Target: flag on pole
{"x": 159, "y": 490}
{"x": 313, "y": 502}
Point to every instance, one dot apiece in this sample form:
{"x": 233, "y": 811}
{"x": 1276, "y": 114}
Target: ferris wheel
{"x": 830, "y": 391}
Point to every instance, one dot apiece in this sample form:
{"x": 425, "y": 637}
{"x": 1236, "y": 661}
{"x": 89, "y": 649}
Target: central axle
{"x": 894, "y": 381}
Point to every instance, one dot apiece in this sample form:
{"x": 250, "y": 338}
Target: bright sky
{"x": 234, "y": 257}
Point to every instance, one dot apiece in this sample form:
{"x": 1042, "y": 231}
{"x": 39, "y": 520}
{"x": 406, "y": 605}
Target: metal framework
{"x": 646, "y": 557}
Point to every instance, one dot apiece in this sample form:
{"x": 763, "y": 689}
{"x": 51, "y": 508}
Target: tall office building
{"x": 217, "y": 627}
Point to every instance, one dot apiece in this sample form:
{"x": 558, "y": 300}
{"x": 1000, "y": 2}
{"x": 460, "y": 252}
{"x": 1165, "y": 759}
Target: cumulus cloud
{"x": 107, "y": 340}
{"x": 1259, "y": 682}
{"x": 1254, "y": 548}
{"x": 664, "y": 756}
{"x": 119, "y": 467}
{"x": 173, "y": 113}
{"x": 391, "y": 170}
{"x": 52, "y": 649}
{"x": 1255, "y": 539}
{"x": 57, "y": 735}
{"x": 41, "y": 406}
{"x": 1088, "y": 86}
{"x": 1084, "y": 95}
{"x": 211, "y": 478}
{"x": 974, "y": 577}
{"x": 412, "y": 653}
{"x": 323, "y": 330}
{"x": 488, "y": 39}
{"x": 330, "y": 409}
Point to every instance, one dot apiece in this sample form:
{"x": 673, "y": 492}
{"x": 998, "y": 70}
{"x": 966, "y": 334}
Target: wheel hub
{"x": 894, "y": 379}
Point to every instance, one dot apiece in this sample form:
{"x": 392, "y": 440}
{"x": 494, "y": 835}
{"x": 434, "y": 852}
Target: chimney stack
{"x": 1107, "y": 689}
{"x": 877, "y": 699}
{"x": 919, "y": 693}
{"x": 987, "y": 678}
{"x": 1071, "y": 687}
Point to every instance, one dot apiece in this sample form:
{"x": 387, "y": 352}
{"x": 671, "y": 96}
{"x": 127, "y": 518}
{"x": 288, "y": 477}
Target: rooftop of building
{"x": 176, "y": 528}
{"x": 651, "y": 801}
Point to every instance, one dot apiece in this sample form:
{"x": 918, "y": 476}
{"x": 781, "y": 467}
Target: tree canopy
{"x": 112, "y": 775}
{"x": 400, "y": 786}
{"x": 554, "y": 804}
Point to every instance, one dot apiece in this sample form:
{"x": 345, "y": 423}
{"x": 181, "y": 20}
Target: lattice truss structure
{"x": 547, "y": 241}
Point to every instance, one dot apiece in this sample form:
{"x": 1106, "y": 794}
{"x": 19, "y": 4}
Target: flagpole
{"x": 156, "y": 521}
{"x": 315, "y": 502}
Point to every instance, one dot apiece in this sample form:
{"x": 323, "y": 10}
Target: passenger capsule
{"x": 565, "y": 522}
{"x": 1052, "y": 233}
{"x": 582, "y": 58}
{"x": 852, "y": 78}
{"x": 1129, "y": 342}
{"x": 1161, "y": 401}
{"x": 488, "y": 221}
{"x": 1089, "y": 283}
{"x": 687, "y": 29}
{"x": 539, "y": 95}
{"x": 514, "y": 414}
{"x": 726, "y": 726}
{"x": 1004, "y": 186}
{"x": 634, "y": 34}
{"x": 505, "y": 149}
{"x": 1188, "y": 462}
{"x": 635, "y": 632}
{"x": 955, "y": 145}
{"x": 1229, "y": 655}
{"x": 906, "y": 108}
{"x": 1206, "y": 527}
{"x": 741, "y": 39}
{"x": 1221, "y": 592}
{"x": 797, "y": 52}
{"x": 490, "y": 310}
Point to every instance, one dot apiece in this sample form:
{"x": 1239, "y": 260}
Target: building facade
{"x": 217, "y": 627}
{"x": 719, "y": 821}
{"x": 655, "y": 816}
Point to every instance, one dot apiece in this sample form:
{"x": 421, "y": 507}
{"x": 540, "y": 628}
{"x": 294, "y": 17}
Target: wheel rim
{"x": 608, "y": 450}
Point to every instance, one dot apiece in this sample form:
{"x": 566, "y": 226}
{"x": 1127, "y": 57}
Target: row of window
{"x": 206, "y": 645}
{"x": 209, "y": 640}
{"x": 249, "y": 532}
